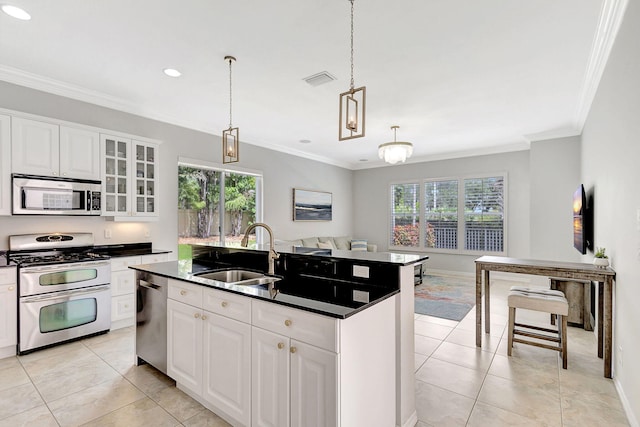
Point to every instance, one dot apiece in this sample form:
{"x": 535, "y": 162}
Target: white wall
{"x": 610, "y": 156}
{"x": 282, "y": 172}
{"x": 555, "y": 175}
{"x": 371, "y": 201}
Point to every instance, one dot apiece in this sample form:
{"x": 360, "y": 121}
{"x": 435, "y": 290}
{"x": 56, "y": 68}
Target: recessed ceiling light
{"x": 16, "y": 12}
{"x": 305, "y": 141}
{"x": 172, "y": 72}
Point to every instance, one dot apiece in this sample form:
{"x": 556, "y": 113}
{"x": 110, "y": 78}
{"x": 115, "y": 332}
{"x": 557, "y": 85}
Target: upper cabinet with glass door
{"x": 146, "y": 175}
{"x": 129, "y": 182}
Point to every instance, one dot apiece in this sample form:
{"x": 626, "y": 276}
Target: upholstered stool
{"x": 545, "y": 300}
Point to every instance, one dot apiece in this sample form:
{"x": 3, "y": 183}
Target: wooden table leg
{"x": 487, "y": 304}
{"x": 600, "y": 317}
{"x": 478, "y": 305}
{"x": 608, "y": 329}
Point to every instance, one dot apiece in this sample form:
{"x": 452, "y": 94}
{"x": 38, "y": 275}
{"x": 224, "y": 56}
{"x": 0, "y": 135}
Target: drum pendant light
{"x": 230, "y": 136}
{"x": 396, "y": 151}
{"x": 352, "y": 104}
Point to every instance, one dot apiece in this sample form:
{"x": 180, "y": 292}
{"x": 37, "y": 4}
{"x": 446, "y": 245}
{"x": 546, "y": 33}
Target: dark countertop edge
{"x": 128, "y": 249}
{"x": 375, "y": 257}
{"x": 3, "y": 260}
{"x": 346, "y": 311}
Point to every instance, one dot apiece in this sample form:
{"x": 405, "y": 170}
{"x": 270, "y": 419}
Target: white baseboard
{"x": 411, "y": 421}
{"x": 633, "y": 421}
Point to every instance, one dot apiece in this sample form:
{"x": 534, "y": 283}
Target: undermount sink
{"x": 238, "y": 277}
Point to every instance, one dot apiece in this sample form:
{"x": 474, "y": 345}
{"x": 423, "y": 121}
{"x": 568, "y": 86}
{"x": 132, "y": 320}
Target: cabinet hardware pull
{"x": 293, "y": 349}
{"x": 197, "y": 315}
{"x": 10, "y": 288}
{"x": 204, "y": 317}
{"x": 224, "y": 304}
{"x": 183, "y": 292}
{"x": 280, "y": 345}
{"x": 287, "y": 322}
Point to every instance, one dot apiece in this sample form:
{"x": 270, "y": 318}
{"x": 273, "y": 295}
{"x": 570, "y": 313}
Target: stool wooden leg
{"x": 512, "y": 321}
{"x": 564, "y": 342}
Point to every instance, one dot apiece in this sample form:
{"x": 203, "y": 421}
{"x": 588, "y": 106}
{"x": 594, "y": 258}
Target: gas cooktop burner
{"x": 54, "y": 248}
{"x": 54, "y": 257}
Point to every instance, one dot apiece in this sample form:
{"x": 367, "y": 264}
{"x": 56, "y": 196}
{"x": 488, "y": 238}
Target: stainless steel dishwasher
{"x": 151, "y": 320}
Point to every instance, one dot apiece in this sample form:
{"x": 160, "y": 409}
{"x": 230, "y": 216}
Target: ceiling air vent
{"x": 319, "y": 78}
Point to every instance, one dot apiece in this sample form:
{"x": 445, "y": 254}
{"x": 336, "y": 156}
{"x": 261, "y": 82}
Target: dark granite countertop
{"x": 376, "y": 257}
{"x": 3, "y": 260}
{"x": 128, "y": 249}
{"x": 185, "y": 270}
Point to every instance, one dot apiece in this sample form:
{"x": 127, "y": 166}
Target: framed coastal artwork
{"x": 309, "y": 205}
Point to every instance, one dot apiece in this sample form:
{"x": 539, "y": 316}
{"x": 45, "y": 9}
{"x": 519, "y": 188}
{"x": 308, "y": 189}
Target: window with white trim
{"x": 405, "y": 215}
{"x": 459, "y": 215}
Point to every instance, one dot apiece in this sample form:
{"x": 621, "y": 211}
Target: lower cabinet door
{"x": 269, "y": 379}
{"x": 227, "y": 366}
{"x": 314, "y": 391}
{"x": 184, "y": 345}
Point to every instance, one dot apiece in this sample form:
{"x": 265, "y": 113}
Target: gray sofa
{"x": 342, "y": 243}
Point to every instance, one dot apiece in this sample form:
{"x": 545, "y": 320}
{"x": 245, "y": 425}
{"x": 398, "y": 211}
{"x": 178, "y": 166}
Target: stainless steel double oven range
{"x": 64, "y": 288}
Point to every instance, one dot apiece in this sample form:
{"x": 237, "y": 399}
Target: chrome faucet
{"x": 273, "y": 255}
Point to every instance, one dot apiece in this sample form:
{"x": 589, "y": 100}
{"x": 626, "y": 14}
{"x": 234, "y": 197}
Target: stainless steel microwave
{"x": 44, "y": 195}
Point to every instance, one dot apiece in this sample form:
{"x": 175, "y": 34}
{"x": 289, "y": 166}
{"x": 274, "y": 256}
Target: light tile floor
{"x": 458, "y": 384}
{"x": 94, "y": 382}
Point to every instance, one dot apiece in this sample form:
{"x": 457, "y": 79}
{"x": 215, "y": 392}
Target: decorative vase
{"x": 601, "y": 262}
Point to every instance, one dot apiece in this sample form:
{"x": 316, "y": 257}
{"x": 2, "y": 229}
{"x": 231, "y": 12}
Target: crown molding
{"x": 484, "y": 151}
{"x": 609, "y": 24}
{"x": 45, "y": 84}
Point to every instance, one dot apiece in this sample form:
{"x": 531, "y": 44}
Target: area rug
{"x": 447, "y": 297}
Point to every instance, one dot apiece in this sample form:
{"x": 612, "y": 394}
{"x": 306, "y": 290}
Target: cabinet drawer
{"x": 227, "y": 304}
{"x": 8, "y": 276}
{"x": 186, "y": 293}
{"x": 150, "y": 259}
{"x": 311, "y": 328}
{"x": 122, "y": 307}
{"x": 123, "y": 282}
{"x": 122, "y": 263}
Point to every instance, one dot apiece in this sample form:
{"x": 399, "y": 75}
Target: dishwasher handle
{"x": 149, "y": 285}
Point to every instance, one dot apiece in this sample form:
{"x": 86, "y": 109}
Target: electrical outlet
{"x": 620, "y": 358}
{"x": 107, "y": 233}
{"x": 147, "y": 233}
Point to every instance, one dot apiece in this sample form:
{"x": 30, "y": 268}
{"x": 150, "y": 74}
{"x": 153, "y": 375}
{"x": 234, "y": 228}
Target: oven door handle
{"x": 57, "y": 267}
{"x": 64, "y": 294}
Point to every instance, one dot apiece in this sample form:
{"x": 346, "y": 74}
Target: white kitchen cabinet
{"x": 129, "y": 179}
{"x": 306, "y": 369}
{"x": 79, "y": 153}
{"x": 293, "y": 382}
{"x": 116, "y": 186}
{"x": 227, "y": 366}
{"x": 123, "y": 288}
{"x": 146, "y": 178}
{"x": 209, "y": 354}
{"x": 41, "y": 148}
{"x": 314, "y": 387}
{"x": 184, "y": 345}
{"x": 270, "y": 384}
{"x": 8, "y": 312}
{"x": 5, "y": 165}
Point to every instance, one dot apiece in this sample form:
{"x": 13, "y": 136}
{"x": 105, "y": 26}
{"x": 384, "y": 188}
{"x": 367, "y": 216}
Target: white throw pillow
{"x": 326, "y": 245}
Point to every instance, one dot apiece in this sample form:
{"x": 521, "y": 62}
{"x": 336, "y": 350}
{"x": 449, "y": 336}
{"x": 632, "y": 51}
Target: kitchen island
{"x": 331, "y": 343}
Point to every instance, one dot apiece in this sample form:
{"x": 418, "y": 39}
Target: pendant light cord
{"x": 230, "y": 95}
{"x": 352, "y": 84}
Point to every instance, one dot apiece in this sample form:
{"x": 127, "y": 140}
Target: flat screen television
{"x": 580, "y": 220}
